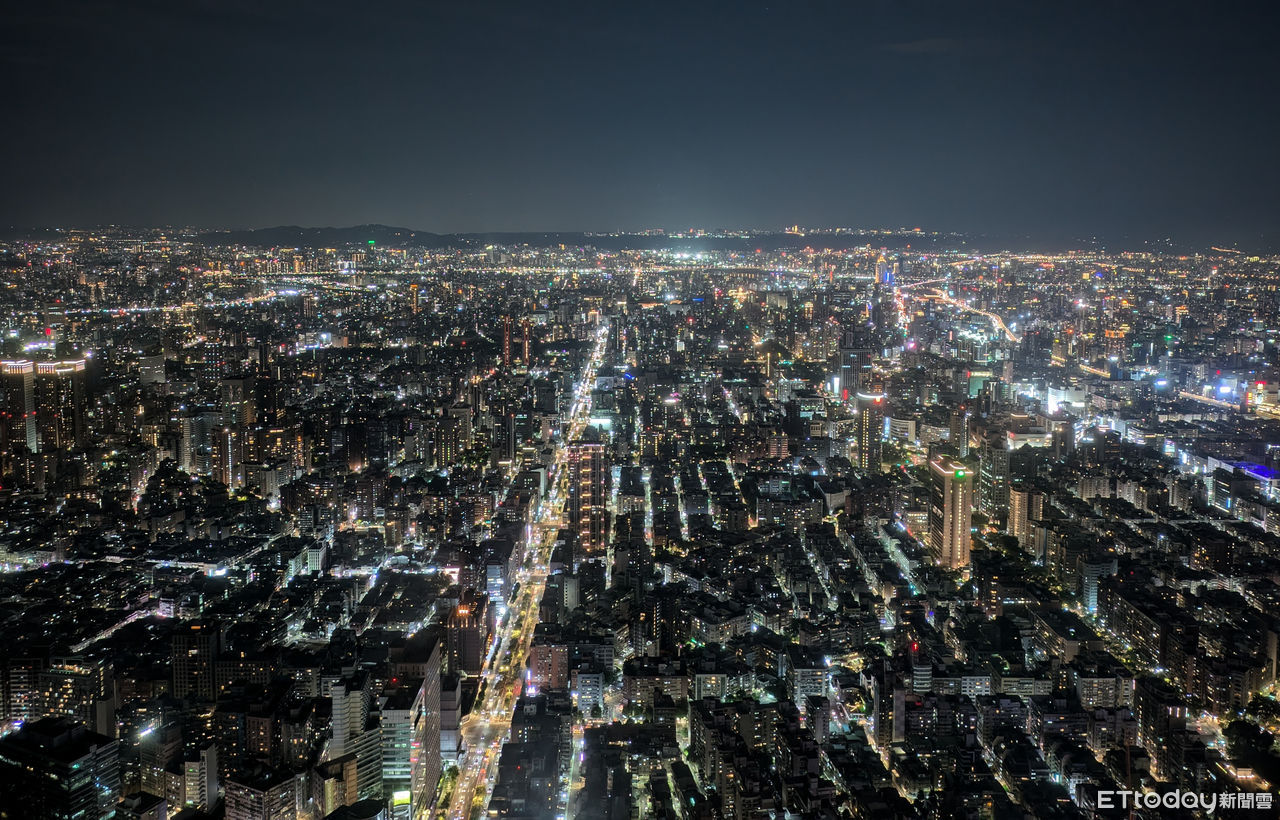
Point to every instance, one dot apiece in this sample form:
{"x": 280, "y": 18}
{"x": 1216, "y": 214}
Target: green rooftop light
{"x": 370, "y": 241}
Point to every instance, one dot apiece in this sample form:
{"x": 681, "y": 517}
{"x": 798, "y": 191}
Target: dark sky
{"x": 1061, "y": 119}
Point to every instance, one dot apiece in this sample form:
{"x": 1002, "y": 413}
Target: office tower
{"x": 993, "y": 478}
{"x": 55, "y": 767}
{"x": 367, "y": 747}
{"x": 870, "y": 430}
{"x": 506, "y": 439}
{"x": 855, "y": 363}
{"x": 467, "y": 631}
{"x": 411, "y": 744}
{"x": 960, "y": 430}
{"x": 526, "y": 341}
{"x": 194, "y": 649}
{"x": 350, "y": 711}
{"x": 413, "y": 298}
{"x": 506, "y": 342}
{"x": 60, "y": 404}
{"x": 884, "y": 312}
{"x": 950, "y": 512}
{"x": 450, "y": 717}
{"x": 885, "y": 271}
{"x": 20, "y": 405}
{"x": 588, "y": 496}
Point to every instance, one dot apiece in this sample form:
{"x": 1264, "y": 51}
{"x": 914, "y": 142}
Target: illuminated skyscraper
{"x": 950, "y": 512}
{"x": 236, "y": 401}
{"x": 60, "y": 404}
{"x": 413, "y": 298}
{"x": 960, "y": 430}
{"x": 527, "y": 341}
{"x": 885, "y": 271}
{"x": 870, "y": 430}
{"x": 20, "y": 405}
{"x": 993, "y": 478}
{"x": 855, "y": 363}
{"x": 506, "y": 341}
{"x": 588, "y": 496}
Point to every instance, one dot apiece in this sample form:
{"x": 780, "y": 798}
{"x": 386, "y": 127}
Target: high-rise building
{"x": 467, "y": 631}
{"x": 449, "y": 440}
{"x": 885, "y": 271}
{"x": 960, "y": 430}
{"x": 1161, "y": 712}
{"x": 334, "y": 785}
{"x": 855, "y": 363}
{"x": 950, "y": 511}
{"x": 870, "y": 430}
{"x": 526, "y": 341}
{"x": 1026, "y": 506}
{"x": 20, "y": 405}
{"x": 993, "y": 478}
{"x": 22, "y": 688}
{"x": 79, "y": 687}
{"x": 588, "y": 496}
{"x": 413, "y": 298}
{"x": 60, "y": 405}
{"x": 264, "y": 794}
{"x": 227, "y": 455}
{"x": 194, "y": 649}
{"x": 237, "y": 401}
{"x": 158, "y": 747}
{"x": 411, "y": 762}
{"x": 1092, "y": 571}
{"x": 350, "y": 710}
{"x": 506, "y": 342}
{"x": 193, "y": 782}
{"x": 55, "y": 767}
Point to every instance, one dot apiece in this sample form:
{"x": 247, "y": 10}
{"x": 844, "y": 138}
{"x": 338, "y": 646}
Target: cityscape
{"x": 871, "y": 524}
{"x": 561, "y": 410}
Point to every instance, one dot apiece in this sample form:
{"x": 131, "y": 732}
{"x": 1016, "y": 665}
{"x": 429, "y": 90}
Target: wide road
{"x": 934, "y": 293}
{"x": 486, "y": 727}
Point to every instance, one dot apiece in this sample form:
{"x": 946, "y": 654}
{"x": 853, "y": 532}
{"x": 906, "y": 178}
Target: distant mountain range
{"x": 293, "y": 236}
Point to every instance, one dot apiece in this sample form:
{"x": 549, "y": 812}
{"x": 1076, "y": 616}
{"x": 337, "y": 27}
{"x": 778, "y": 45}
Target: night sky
{"x": 1048, "y": 119}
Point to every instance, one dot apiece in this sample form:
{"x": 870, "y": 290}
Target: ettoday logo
{"x": 1178, "y": 799}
